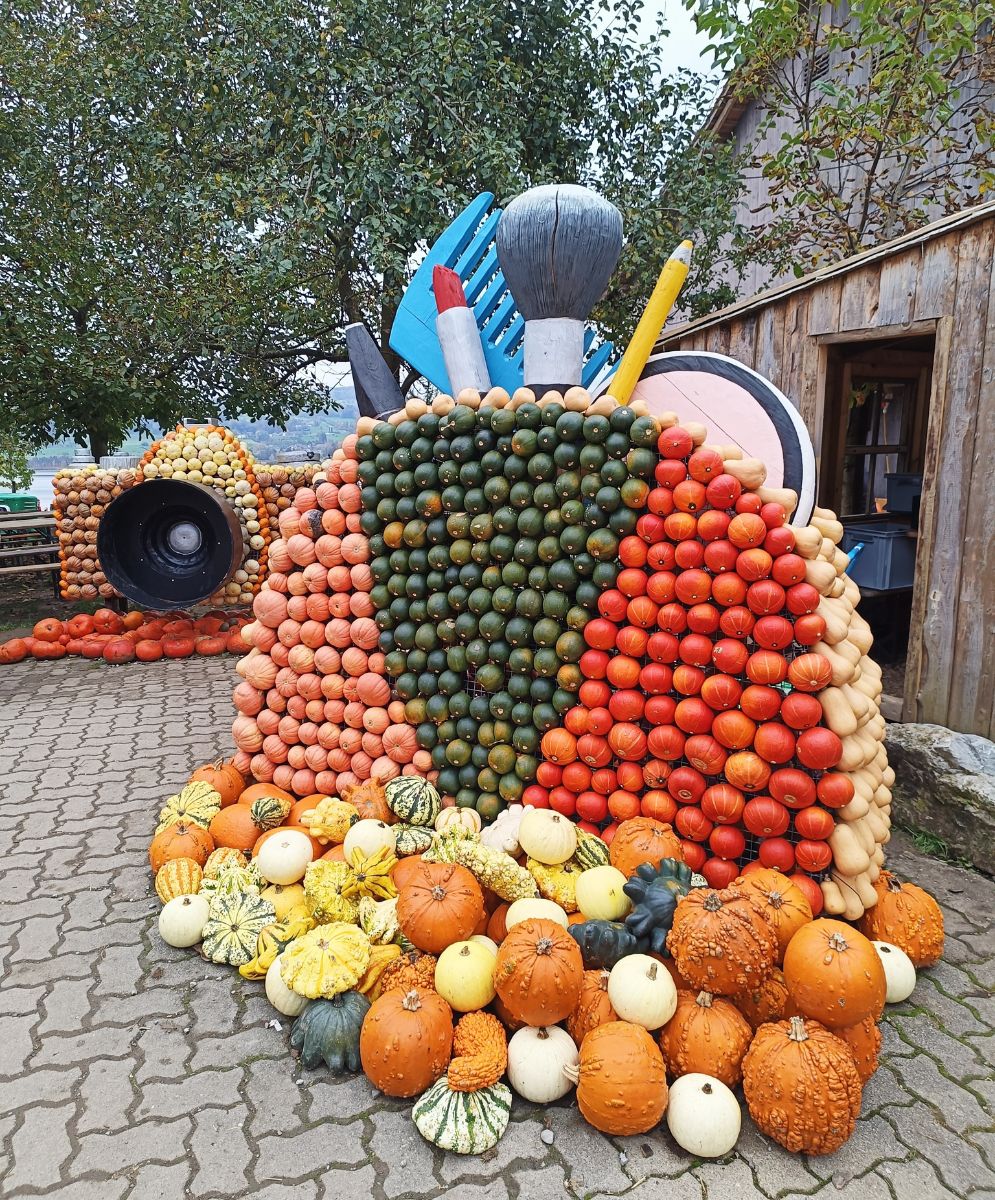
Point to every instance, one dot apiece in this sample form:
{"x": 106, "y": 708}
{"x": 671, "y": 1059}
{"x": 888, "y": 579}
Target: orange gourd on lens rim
{"x": 643, "y": 840}
{"x": 539, "y": 972}
{"x": 707, "y": 1035}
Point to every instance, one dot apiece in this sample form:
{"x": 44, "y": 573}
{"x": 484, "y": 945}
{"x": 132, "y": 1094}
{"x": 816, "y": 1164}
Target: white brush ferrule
{"x": 554, "y": 351}
{"x": 462, "y": 351}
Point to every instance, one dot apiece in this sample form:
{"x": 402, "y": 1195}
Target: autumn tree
{"x": 195, "y": 198}
{"x": 876, "y": 116}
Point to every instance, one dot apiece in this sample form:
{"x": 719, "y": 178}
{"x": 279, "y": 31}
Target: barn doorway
{"x": 873, "y": 450}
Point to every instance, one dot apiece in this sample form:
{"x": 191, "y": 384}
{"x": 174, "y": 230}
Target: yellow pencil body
{"x": 668, "y": 286}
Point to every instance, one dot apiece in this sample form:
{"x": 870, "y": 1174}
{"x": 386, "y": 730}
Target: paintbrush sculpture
{"x": 557, "y": 246}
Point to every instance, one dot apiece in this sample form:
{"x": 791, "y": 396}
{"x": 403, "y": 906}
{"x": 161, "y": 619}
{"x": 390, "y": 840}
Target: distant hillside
{"x": 320, "y": 432}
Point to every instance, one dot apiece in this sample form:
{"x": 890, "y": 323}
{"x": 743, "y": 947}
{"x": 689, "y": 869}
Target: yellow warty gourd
{"x": 370, "y": 875}
{"x": 380, "y": 959}
{"x": 328, "y": 960}
{"x": 558, "y": 883}
{"x": 330, "y": 820}
{"x": 492, "y": 868}
{"x": 378, "y": 920}
{"x": 325, "y": 885}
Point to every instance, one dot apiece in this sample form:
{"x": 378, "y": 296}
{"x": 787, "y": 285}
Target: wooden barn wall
{"x": 946, "y": 286}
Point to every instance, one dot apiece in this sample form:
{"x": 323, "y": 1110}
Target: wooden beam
{"x": 879, "y": 333}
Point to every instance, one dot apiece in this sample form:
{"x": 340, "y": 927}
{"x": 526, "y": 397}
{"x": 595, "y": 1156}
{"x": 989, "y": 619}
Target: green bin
{"x": 15, "y": 502}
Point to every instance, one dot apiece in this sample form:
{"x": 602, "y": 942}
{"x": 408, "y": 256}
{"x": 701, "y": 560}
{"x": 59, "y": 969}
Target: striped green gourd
{"x": 463, "y": 1122}
{"x": 233, "y": 926}
{"x": 411, "y": 839}
{"x": 591, "y": 851}
{"x": 413, "y": 799}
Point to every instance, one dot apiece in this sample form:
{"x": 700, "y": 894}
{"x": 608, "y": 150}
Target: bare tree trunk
{"x": 98, "y": 445}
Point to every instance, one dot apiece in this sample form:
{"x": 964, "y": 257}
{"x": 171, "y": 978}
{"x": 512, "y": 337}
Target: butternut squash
{"x": 868, "y": 896}
{"x": 840, "y": 562}
{"x": 857, "y": 807}
{"x": 750, "y": 472}
{"x": 807, "y": 541}
{"x": 848, "y": 854}
{"x": 398, "y": 417}
{"x": 604, "y": 406}
{"x": 860, "y": 634}
{"x": 866, "y": 684}
{"x": 827, "y": 524}
{"x": 837, "y": 621}
{"x": 877, "y": 858}
{"x": 640, "y": 408}
{"x": 832, "y": 898}
{"x": 697, "y": 431}
{"x": 837, "y": 711}
{"x": 882, "y": 796}
{"x": 827, "y": 549}
{"x": 859, "y": 703}
{"x": 839, "y": 587}
{"x": 851, "y": 591}
{"x": 365, "y": 425}
{"x": 735, "y": 453}
{"x": 864, "y": 835}
{"x": 853, "y": 906}
{"x": 878, "y": 825}
{"x": 873, "y": 871}
{"x": 858, "y": 750}
{"x": 821, "y": 575}
{"x": 787, "y": 499}
{"x": 888, "y": 776}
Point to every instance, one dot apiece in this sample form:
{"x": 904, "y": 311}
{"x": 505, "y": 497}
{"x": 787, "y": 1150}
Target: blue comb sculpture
{"x": 467, "y": 247}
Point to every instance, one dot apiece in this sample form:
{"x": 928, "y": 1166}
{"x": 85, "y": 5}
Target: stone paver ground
{"x": 131, "y": 1070}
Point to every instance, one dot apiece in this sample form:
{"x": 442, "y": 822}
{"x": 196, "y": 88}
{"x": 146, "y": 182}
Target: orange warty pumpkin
{"x": 706, "y": 1034}
{"x": 223, "y": 777}
{"x": 621, "y": 1080}
{"x": 834, "y": 974}
{"x": 783, "y": 903}
{"x": 801, "y": 1086}
{"x": 496, "y": 929}
{"x": 908, "y": 917}
{"x": 406, "y": 1041}
{"x": 765, "y": 1001}
{"x": 539, "y": 972}
{"x": 261, "y": 791}
{"x": 864, "y": 1040}
{"x": 440, "y": 904}
{"x": 180, "y": 841}
{"x": 643, "y": 840}
{"x": 404, "y": 870}
{"x": 370, "y": 800}
{"x": 594, "y": 1009}
{"x": 721, "y": 941}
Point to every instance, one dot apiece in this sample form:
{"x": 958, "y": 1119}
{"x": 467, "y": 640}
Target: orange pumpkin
{"x": 406, "y": 1041}
{"x": 906, "y": 916}
{"x": 240, "y": 825}
{"x": 708, "y": 1035}
{"x": 801, "y": 1086}
{"x": 864, "y": 1040}
{"x": 180, "y": 841}
{"x": 782, "y": 902}
{"x": 261, "y": 791}
{"x": 496, "y": 929}
{"x": 223, "y": 777}
{"x": 721, "y": 941}
{"x": 369, "y": 800}
{"x": 593, "y": 1009}
{"x": 643, "y": 840}
{"x": 621, "y": 1080}
{"x": 834, "y": 974}
{"x": 439, "y": 904}
{"x": 539, "y": 972}
{"x": 404, "y": 869}
{"x": 765, "y": 1002}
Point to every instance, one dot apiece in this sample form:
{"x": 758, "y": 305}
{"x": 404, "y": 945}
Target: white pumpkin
{"x": 641, "y": 990}
{"x": 279, "y": 995}
{"x": 464, "y": 976}
{"x": 284, "y": 857}
{"x": 529, "y": 909}
{"x": 452, "y": 819}
{"x": 600, "y": 896}
{"x": 703, "y": 1115}
{"x": 899, "y": 973}
{"x": 537, "y": 1059}
{"x": 182, "y": 920}
{"x": 547, "y": 836}
{"x": 483, "y": 940}
{"x": 502, "y": 834}
{"x": 368, "y": 837}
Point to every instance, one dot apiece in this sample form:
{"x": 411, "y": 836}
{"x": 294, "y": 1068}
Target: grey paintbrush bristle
{"x": 557, "y": 246}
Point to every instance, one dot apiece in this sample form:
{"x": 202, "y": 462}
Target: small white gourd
{"x": 502, "y": 834}
{"x": 279, "y": 995}
{"x": 537, "y": 1059}
{"x": 899, "y": 972}
{"x": 547, "y": 836}
{"x": 529, "y": 910}
{"x": 284, "y": 857}
{"x": 641, "y": 990}
{"x": 368, "y": 837}
{"x": 703, "y": 1115}
{"x": 483, "y": 940}
{"x": 182, "y": 920}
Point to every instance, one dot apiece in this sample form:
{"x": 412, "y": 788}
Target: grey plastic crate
{"x": 888, "y": 559}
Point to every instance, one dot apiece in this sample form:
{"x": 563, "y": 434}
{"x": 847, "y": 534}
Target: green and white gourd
{"x": 413, "y": 800}
{"x": 463, "y": 1122}
{"x": 233, "y": 925}
{"x": 591, "y": 851}
{"x": 411, "y": 839}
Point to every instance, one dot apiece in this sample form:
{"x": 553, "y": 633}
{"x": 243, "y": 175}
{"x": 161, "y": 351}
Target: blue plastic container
{"x": 887, "y": 561}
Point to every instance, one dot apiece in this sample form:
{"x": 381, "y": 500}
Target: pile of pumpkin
{"x": 315, "y": 710}
{"x": 133, "y": 636}
{"x": 215, "y": 457}
{"x": 79, "y": 501}
{"x": 441, "y": 958}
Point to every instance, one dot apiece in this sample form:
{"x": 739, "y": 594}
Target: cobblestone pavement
{"x": 131, "y": 1070}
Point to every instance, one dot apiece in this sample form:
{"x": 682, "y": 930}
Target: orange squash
{"x": 643, "y": 840}
{"x": 261, "y": 791}
{"x": 621, "y": 1080}
{"x": 834, "y": 974}
{"x": 721, "y": 941}
{"x": 439, "y": 904}
{"x": 180, "y": 841}
{"x": 406, "y": 1041}
{"x": 908, "y": 917}
{"x": 782, "y": 902}
{"x": 539, "y": 972}
{"x": 707, "y": 1035}
{"x": 593, "y": 1009}
{"x": 864, "y": 1040}
{"x": 223, "y": 777}
{"x": 766, "y": 1001}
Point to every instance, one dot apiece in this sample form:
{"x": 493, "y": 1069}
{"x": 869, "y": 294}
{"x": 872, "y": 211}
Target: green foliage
{"x": 897, "y": 131}
{"x": 15, "y": 474}
{"x": 195, "y": 199}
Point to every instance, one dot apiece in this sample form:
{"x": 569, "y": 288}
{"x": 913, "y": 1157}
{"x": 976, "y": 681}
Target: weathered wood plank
{"x": 824, "y": 309}
{"x": 859, "y": 298}
{"x": 789, "y": 372}
{"x": 770, "y": 339}
{"x": 937, "y": 279}
{"x": 972, "y": 691}
{"x": 953, "y": 478}
{"x": 897, "y": 288}
{"x": 812, "y": 392}
{"x": 742, "y": 339}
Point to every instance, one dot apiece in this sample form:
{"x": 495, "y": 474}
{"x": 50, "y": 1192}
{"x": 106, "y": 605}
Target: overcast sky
{"x": 685, "y": 47}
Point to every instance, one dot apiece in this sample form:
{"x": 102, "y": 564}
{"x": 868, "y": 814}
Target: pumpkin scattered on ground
{"x": 406, "y": 1041}
{"x": 621, "y": 1080}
